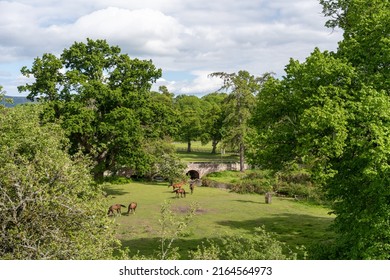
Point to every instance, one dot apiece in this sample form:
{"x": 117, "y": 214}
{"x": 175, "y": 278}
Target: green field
{"x": 220, "y": 213}
{"x": 202, "y": 153}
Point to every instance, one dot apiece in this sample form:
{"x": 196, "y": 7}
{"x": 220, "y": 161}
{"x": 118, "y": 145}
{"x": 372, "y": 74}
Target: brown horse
{"x": 177, "y": 185}
{"x": 115, "y": 207}
{"x": 192, "y": 187}
{"x": 180, "y": 192}
{"x": 132, "y": 207}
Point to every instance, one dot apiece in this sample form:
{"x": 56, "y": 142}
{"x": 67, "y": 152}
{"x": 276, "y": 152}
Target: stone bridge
{"x": 197, "y": 170}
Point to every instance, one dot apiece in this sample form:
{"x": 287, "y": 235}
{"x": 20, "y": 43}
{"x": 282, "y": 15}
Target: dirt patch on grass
{"x": 186, "y": 209}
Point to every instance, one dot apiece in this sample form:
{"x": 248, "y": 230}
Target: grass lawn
{"x": 206, "y": 157}
{"x": 220, "y": 213}
{"x": 202, "y": 153}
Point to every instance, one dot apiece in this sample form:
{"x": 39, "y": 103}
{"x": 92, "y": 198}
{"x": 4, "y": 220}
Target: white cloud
{"x": 178, "y": 35}
{"x": 145, "y": 31}
{"x": 201, "y": 84}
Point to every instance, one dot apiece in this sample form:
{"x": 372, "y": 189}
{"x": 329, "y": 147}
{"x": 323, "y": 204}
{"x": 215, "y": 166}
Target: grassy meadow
{"x": 202, "y": 153}
{"x": 220, "y": 213}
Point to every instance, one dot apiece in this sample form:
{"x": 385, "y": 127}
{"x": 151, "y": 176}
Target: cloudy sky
{"x": 187, "y": 39}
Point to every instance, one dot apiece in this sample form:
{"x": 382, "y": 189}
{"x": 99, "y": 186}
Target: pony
{"x": 132, "y": 207}
{"x": 180, "y": 192}
{"x": 115, "y": 207}
{"x": 177, "y": 185}
{"x": 192, "y": 187}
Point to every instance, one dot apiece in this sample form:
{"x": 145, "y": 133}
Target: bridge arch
{"x": 193, "y": 174}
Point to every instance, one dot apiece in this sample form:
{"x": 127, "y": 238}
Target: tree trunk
{"x": 189, "y": 146}
{"x": 242, "y": 167}
{"x": 214, "y": 144}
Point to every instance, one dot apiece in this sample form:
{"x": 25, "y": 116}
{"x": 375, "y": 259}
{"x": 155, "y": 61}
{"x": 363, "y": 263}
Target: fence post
{"x": 268, "y": 198}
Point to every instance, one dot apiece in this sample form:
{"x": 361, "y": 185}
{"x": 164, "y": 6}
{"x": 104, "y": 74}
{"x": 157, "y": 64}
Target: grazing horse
{"x": 132, "y": 207}
{"x": 180, "y": 192}
{"x": 192, "y": 187}
{"x": 177, "y": 185}
{"x": 115, "y": 207}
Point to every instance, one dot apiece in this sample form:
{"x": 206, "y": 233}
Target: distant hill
{"x": 17, "y": 100}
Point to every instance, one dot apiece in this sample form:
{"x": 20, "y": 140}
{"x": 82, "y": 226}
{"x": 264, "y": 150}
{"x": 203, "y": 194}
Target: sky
{"x": 187, "y": 39}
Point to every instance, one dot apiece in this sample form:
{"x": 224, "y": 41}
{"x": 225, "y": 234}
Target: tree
{"x": 189, "y": 110}
{"x": 302, "y": 116}
{"x": 3, "y": 99}
{"x": 238, "y": 106}
{"x": 366, "y": 43}
{"x": 327, "y": 116}
{"x": 102, "y": 99}
{"x": 164, "y": 161}
{"x": 212, "y": 119}
{"x": 49, "y": 206}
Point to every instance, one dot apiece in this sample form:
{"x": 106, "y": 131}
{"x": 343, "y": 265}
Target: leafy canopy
{"x": 330, "y": 115}
{"x": 103, "y": 101}
{"x": 50, "y": 207}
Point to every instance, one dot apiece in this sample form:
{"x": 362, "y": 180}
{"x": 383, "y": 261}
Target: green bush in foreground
{"x": 259, "y": 246}
{"x": 49, "y": 206}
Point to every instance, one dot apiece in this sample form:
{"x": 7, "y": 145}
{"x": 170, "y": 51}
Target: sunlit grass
{"x": 202, "y": 153}
{"x": 220, "y": 213}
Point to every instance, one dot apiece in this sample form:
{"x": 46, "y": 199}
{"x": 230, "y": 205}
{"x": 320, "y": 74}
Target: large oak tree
{"x": 102, "y": 99}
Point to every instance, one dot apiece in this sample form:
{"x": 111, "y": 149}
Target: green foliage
{"x": 103, "y": 101}
{"x": 296, "y": 181}
{"x": 261, "y": 245}
{"x": 50, "y": 207}
{"x": 172, "y": 227}
{"x": 257, "y": 181}
{"x": 293, "y": 181}
{"x": 366, "y": 42}
{"x": 190, "y": 112}
{"x": 163, "y": 161}
{"x": 3, "y": 99}
{"x": 303, "y": 117}
{"x": 329, "y": 114}
{"x": 237, "y": 107}
{"x": 213, "y": 117}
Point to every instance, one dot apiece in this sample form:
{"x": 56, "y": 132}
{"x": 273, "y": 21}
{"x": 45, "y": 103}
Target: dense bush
{"x": 50, "y": 208}
{"x": 260, "y": 245}
{"x": 258, "y": 181}
{"x": 293, "y": 181}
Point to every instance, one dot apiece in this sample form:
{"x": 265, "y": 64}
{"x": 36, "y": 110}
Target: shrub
{"x": 50, "y": 206}
{"x": 261, "y": 245}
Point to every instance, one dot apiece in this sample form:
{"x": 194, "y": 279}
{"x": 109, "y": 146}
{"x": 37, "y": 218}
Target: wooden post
{"x": 268, "y": 198}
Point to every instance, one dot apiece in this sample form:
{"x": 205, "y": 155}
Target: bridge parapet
{"x": 199, "y": 169}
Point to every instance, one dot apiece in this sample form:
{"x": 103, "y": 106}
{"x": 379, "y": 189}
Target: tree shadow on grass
{"x": 250, "y": 201}
{"x": 115, "y": 191}
{"x": 293, "y": 229}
